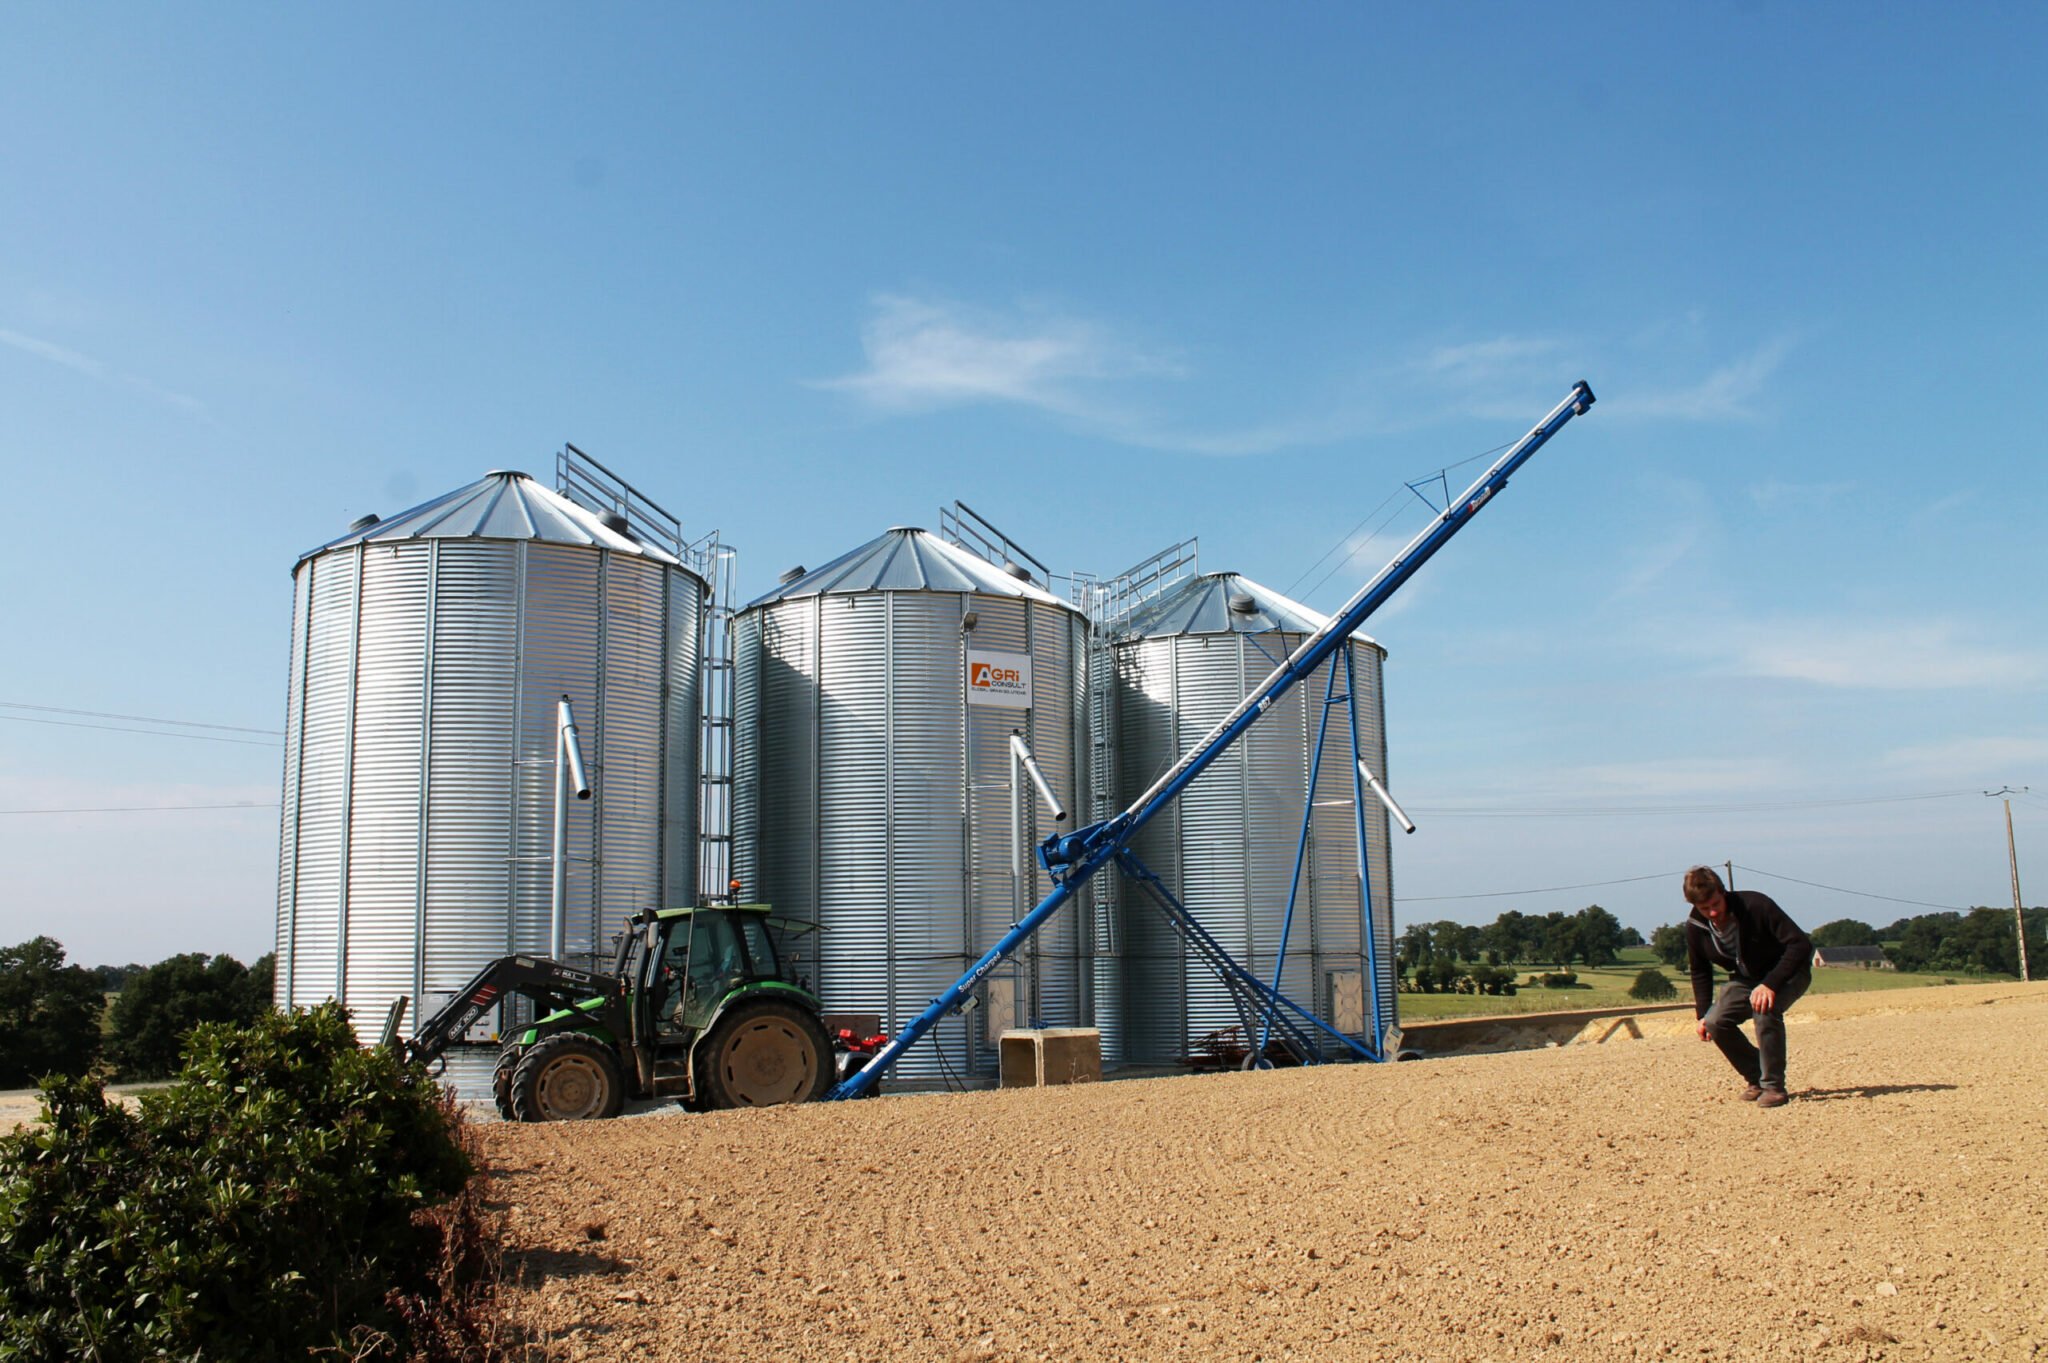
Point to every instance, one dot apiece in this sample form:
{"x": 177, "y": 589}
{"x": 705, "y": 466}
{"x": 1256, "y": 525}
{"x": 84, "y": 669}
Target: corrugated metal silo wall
{"x": 419, "y": 768}
{"x": 869, "y": 797}
{"x": 1227, "y": 846}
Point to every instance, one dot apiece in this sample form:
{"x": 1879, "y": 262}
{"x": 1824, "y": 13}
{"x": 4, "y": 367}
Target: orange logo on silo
{"x": 987, "y": 678}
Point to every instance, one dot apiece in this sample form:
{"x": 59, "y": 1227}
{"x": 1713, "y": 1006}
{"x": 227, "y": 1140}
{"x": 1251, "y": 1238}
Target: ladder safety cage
{"x": 1073, "y": 859}
{"x": 591, "y": 485}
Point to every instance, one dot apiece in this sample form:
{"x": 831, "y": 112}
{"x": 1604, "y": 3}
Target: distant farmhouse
{"x": 1866, "y": 958}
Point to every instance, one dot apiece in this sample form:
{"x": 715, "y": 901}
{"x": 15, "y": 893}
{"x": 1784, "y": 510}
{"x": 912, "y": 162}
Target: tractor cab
{"x": 687, "y": 963}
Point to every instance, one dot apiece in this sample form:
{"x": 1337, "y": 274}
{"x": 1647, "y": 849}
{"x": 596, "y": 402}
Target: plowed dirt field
{"x": 1584, "y": 1202}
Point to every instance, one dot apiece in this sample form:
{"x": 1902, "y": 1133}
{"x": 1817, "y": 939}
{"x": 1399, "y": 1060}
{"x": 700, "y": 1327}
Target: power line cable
{"x": 1548, "y": 889}
{"x": 1606, "y": 811}
{"x": 1861, "y": 894}
{"x": 153, "y": 733}
{"x": 140, "y": 809}
{"x": 137, "y": 719}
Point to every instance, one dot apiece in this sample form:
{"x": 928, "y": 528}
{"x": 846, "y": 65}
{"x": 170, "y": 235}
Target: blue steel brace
{"x": 1246, "y": 989}
{"x": 1368, "y": 935}
{"x": 1308, "y": 814}
{"x": 1073, "y": 859}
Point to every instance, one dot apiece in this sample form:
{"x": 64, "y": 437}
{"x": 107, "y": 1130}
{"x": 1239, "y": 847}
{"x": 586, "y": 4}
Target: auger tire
{"x": 501, "y": 1079}
{"x": 763, "y": 1052}
{"x": 567, "y": 1077}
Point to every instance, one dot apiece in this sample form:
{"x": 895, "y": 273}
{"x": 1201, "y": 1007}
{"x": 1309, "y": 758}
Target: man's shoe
{"x": 1751, "y": 1093}
{"x": 1771, "y": 1098}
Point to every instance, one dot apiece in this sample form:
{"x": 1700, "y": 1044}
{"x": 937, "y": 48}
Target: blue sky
{"x": 1115, "y": 276}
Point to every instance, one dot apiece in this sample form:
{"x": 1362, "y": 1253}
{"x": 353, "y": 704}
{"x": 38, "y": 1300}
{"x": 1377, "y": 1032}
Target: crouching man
{"x": 1769, "y": 963}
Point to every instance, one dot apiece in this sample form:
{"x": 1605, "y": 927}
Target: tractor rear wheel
{"x": 763, "y": 1052}
{"x": 501, "y": 1079}
{"x": 568, "y": 1077}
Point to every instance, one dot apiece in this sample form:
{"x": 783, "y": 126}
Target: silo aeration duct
{"x": 1020, "y": 755}
{"x": 570, "y": 774}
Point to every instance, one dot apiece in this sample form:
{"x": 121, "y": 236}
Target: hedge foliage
{"x": 271, "y": 1203}
{"x": 1652, "y": 985}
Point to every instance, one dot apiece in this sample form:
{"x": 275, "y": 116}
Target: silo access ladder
{"x": 1073, "y": 859}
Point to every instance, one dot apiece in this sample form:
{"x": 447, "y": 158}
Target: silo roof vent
{"x": 791, "y": 575}
{"x": 363, "y": 522}
{"x": 1243, "y": 603}
{"x": 1017, "y": 570}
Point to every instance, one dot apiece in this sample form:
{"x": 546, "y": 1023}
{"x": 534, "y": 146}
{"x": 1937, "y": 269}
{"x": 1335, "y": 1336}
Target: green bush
{"x": 288, "y": 1195}
{"x": 1652, "y": 985}
{"x": 1558, "y": 979}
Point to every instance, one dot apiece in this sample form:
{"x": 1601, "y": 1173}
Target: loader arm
{"x": 547, "y": 982}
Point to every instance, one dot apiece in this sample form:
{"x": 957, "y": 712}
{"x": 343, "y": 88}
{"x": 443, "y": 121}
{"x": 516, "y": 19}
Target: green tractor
{"x": 697, "y": 1007}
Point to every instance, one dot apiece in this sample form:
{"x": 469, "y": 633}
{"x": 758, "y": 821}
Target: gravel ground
{"x": 1583, "y": 1202}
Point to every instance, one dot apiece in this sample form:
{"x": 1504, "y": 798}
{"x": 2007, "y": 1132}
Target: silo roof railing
{"x": 907, "y": 559}
{"x": 1224, "y": 603}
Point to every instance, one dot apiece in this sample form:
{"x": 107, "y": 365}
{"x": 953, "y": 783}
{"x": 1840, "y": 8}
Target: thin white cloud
{"x": 1487, "y": 362}
{"x": 1671, "y": 781}
{"x": 1772, "y": 495}
{"x": 1921, "y": 656}
{"x": 1730, "y": 393}
{"x": 1696, "y": 778}
{"x": 1991, "y": 761}
{"x": 95, "y": 369}
{"x": 922, "y": 356}
{"x": 55, "y": 354}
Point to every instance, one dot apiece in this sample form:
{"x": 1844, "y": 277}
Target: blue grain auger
{"x": 1072, "y": 859}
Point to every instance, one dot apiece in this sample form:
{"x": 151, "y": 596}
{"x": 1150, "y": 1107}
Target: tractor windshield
{"x": 707, "y": 957}
{"x": 760, "y": 946}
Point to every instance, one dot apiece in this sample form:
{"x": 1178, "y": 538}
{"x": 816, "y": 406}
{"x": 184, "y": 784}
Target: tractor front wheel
{"x": 763, "y": 1052}
{"x": 501, "y": 1079}
{"x": 568, "y": 1077}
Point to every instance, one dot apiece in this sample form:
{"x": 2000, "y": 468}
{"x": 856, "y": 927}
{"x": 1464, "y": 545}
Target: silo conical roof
{"x": 907, "y": 559}
{"x": 1202, "y": 605}
{"x": 501, "y": 505}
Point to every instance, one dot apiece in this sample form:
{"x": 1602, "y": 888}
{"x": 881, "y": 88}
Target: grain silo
{"x": 430, "y": 654}
{"x": 1228, "y": 846}
{"x": 875, "y": 701}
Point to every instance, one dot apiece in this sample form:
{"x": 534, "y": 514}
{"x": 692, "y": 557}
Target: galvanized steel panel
{"x": 1227, "y": 846}
{"x": 474, "y": 692}
{"x": 419, "y": 764}
{"x": 870, "y": 798}
{"x": 320, "y": 800}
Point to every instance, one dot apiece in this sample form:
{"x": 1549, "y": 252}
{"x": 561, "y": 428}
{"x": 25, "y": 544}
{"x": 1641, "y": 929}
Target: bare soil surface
{"x": 1582, "y": 1202}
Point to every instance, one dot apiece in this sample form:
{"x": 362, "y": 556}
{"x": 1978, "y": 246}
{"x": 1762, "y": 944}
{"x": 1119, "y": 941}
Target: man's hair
{"x": 1701, "y": 884}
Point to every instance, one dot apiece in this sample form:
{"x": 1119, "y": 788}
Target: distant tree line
{"x": 56, "y": 1018}
{"x": 1980, "y": 942}
{"x": 1444, "y": 956}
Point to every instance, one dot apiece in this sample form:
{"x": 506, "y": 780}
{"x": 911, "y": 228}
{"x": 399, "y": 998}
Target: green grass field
{"x": 1607, "y": 987}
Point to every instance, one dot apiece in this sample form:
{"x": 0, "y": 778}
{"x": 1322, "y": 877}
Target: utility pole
{"x": 1730, "y": 864}
{"x": 2019, "y": 916}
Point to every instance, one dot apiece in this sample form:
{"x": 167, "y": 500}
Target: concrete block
{"x": 1036, "y": 1057}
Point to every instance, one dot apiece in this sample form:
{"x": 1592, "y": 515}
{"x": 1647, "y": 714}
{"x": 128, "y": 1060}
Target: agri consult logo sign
{"x": 999, "y": 679}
